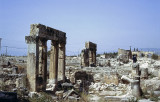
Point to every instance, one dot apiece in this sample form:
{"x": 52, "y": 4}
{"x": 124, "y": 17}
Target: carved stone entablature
{"x": 47, "y": 32}
{"x": 31, "y": 39}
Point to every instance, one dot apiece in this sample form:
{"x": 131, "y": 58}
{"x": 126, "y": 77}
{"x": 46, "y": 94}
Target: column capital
{"x": 54, "y": 43}
{"x": 61, "y": 44}
{"x": 42, "y": 41}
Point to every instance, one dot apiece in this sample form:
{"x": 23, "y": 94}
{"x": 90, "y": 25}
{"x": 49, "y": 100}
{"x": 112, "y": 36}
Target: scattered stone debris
{"x": 76, "y": 78}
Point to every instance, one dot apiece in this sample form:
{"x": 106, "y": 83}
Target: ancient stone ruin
{"x": 113, "y": 78}
{"x": 37, "y": 56}
{"x": 88, "y": 55}
{"x": 124, "y": 55}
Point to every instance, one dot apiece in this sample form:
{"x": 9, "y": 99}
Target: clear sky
{"x": 111, "y": 24}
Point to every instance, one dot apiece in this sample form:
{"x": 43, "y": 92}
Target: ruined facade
{"x": 124, "y": 55}
{"x": 88, "y": 55}
{"x": 37, "y": 56}
{"x": 128, "y": 53}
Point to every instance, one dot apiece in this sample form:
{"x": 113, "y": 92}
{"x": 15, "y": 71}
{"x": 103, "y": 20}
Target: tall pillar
{"x": 61, "y": 62}
{"x": 31, "y": 63}
{"x": 42, "y": 68}
{"x": 82, "y": 58}
{"x": 53, "y": 62}
{"x": 90, "y": 57}
{"x": 94, "y": 57}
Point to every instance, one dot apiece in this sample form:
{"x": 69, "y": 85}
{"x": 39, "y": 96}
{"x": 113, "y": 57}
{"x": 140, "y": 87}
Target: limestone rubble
{"x": 77, "y": 78}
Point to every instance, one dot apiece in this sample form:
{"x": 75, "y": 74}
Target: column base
{"x": 52, "y": 81}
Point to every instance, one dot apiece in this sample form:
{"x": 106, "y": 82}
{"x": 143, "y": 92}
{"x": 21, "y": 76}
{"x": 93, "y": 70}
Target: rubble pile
{"x": 126, "y": 77}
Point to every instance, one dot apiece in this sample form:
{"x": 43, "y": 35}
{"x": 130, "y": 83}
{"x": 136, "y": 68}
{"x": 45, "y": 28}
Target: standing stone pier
{"x": 37, "y": 56}
{"x": 88, "y": 55}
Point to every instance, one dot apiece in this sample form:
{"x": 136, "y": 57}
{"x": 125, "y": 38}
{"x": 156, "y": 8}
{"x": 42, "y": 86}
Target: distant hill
{"x": 155, "y": 50}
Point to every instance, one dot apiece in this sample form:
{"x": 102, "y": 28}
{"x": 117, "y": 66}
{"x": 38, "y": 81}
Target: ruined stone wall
{"x": 142, "y": 54}
{"x": 123, "y": 52}
{"x": 124, "y": 55}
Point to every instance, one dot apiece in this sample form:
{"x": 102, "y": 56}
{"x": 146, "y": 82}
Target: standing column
{"x": 94, "y": 57}
{"x": 53, "y": 63}
{"x": 82, "y": 58}
{"x": 90, "y": 57}
{"x": 61, "y": 62}
{"x": 31, "y": 63}
{"x": 42, "y": 75}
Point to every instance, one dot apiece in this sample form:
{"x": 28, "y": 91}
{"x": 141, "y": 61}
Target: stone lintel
{"x": 46, "y": 32}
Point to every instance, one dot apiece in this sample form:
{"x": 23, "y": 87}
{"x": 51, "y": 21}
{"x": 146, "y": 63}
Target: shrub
{"x": 155, "y": 56}
{"x": 43, "y": 98}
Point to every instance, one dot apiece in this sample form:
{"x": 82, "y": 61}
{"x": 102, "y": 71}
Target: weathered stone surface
{"x": 31, "y": 71}
{"x": 61, "y": 62}
{"x": 53, "y": 63}
{"x": 136, "y": 90}
{"x": 111, "y": 79}
{"x": 37, "y": 53}
{"x": 88, "y": 55}
{"x": 116, "y": 99}
{"x": 144, "y": 73}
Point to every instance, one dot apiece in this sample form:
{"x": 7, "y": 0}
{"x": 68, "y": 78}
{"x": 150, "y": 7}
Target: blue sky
{"x": 112, "y": 24}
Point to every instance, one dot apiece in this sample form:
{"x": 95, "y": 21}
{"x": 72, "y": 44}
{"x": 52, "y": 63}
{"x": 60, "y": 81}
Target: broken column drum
{"x": 37, "y": 56}
{"x": 144, "y": 73}
{"x": 135, "y": 69}
{"x": 136, "y": 90}
{"x": 88, "y": 55}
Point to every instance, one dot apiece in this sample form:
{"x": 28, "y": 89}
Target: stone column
{"x": 144, "y": 73}
{"x": 53, "y": 63}
{"x": 94, "y": 57}
{"x": 135, "y": 70}
{"x": 42, "y": 71}
{"x": 136, "y": 90}
{"x": 82, "y": 58}
{"x": 90, "y": 57}
{"x": 61, "y": 62}
{"x": 31, "y": 63}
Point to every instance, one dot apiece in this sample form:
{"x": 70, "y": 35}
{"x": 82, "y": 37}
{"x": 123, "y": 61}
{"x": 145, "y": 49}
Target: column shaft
{"x": 94, "y": 57}
{"x": 42, "y": 75}
{"x": 61, "y": 62}
{"x": 53, "y": 62}
{"x": 90, "y": 57}
{"x": 31, "y": 63}
{"x": 31, "y": 72}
